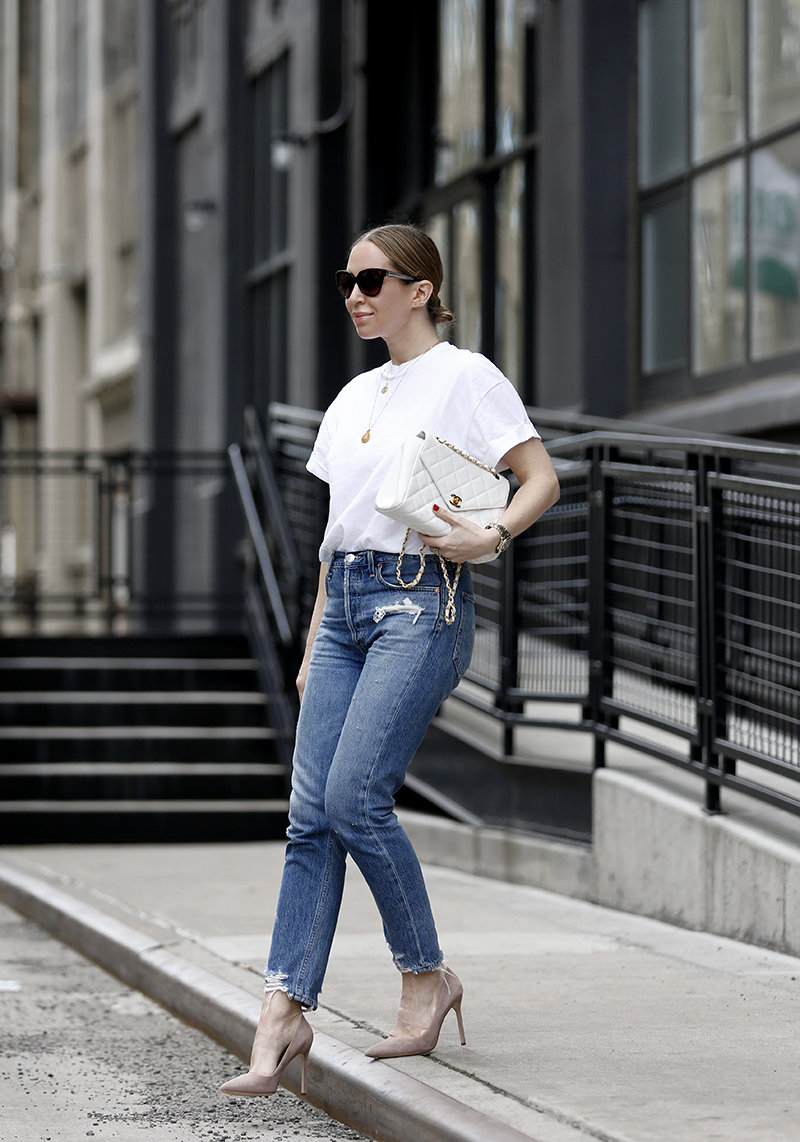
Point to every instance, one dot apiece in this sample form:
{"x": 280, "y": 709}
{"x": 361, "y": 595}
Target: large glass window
{"x": 718, "y": 240}
{"x": 460, "y": 137}
{"x": 664, "y": 255}
{"x": 719, "y": 191}
{"x": 511, "y": 35}
{"x": 268, "y": 278}
{"x": 484, "y": 163}
{"x": 775, "y": 247}
{"x": 662, "y": 89}
{"x": 717, "y": 75}
{"x": 775, "y": 62}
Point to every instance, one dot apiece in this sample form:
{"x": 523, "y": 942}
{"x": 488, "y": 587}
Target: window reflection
{"x": 466, "y": 278}
{"x": 718, "y": 297}
{"x": 460, "y": 136}
{"x": 509, "y": 283}
{"x": 438, "y": 226}
{"x": 270, "y": 186}
{"x": 717, "y": 72}
{"x": 662, "y": 88}
{"x": 775, "y": 247}
{"x": 664, "y": 257}
{"x": 775, "y": 48}
{"x": 511, "y": 42}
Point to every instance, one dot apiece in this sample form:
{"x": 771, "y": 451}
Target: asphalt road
{"x": 82, "y": 1056}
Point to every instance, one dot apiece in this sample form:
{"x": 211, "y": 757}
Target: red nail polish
{"x": 436, "y": 507}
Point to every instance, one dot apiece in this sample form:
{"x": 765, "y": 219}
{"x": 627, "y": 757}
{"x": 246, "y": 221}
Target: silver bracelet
{"x": 503, "y": 532}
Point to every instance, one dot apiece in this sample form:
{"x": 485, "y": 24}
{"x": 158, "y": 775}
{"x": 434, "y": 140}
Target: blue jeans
{"x": 383, "y": 661}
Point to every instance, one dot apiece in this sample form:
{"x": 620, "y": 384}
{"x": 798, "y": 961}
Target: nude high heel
{"x": 449, "y": 999}
{"x": 254, "y": 1083}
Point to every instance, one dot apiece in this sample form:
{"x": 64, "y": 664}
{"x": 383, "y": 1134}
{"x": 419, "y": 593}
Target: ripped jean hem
{"x": 276, "y": 981}
{"x": 401, "y": 967}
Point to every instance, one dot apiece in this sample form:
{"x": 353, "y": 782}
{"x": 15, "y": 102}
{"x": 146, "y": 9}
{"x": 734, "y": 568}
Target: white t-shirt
{"x": 450, "y": 392}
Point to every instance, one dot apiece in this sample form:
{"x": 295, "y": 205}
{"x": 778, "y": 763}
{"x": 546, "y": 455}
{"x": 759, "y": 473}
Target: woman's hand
{"x": 302, "y": 674}
{"x": 464, "y": 541}
{"x": 537, "y": 492}
{"x": 316, "y": 618}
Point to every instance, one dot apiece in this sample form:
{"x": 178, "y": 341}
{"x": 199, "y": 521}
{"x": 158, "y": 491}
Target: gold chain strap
{"x": 471, "y": 459}
{"x": 413, "y": 582}
{"x": 450, "y": 608}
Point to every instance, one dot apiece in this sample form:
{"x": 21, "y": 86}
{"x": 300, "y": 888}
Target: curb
{"x": 366, "y": 1095}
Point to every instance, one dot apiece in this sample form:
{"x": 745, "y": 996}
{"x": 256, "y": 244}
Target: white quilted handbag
{"x": 430, "y": 470}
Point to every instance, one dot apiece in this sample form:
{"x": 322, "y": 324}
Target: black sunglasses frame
{"x": 346, "y": 282}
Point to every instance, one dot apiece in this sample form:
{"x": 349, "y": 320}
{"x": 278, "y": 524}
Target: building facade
{"x": 614, "y": 188}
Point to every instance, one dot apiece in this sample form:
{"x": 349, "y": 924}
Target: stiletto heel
{"x": 254, "y": 1083}
{"x": 304, "y": 1064}
{"x": 396, "y": 1046}
{"x": 457, "y": 1009}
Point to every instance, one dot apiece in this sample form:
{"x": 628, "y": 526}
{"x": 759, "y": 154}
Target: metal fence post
{"x": 600, "y": 665}
{"x": 509, "y": 644}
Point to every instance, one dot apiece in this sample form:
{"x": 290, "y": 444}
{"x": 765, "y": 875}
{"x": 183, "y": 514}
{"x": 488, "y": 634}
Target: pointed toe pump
{"x": 397, "y": 1046}
{"x": 254, "y": 1083}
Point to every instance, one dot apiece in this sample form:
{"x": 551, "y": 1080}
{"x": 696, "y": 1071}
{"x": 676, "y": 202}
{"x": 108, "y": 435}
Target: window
{"x": 268, "y": 277}
{"x": 484, "y": 176}
{"x": 719, "y": 192}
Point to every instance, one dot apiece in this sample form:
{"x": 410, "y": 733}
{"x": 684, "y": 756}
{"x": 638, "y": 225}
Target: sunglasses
{"x": 370, "y": 282}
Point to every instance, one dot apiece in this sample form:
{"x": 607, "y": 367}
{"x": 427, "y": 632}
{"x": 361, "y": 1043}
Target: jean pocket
{"x": 387, "y": 576}
{"x": 465, "y": 636}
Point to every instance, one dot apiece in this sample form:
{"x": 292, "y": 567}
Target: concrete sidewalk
{"x": 580, "y": 1021}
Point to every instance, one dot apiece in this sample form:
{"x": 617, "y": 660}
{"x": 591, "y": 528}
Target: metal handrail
{"x": 270, "y": 493}
{"x": 260, "y": 545}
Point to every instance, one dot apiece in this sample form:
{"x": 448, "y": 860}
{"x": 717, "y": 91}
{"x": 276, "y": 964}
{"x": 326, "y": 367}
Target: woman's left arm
{"x": 537, "y": 492}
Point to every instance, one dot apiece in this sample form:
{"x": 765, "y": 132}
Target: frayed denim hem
{"x": 398, "y": 963}
{"x": 276, "y": 981}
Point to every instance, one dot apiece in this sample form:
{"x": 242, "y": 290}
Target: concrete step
{"x": 20, "y": 744}
{"x": 145, "y": 781}
{"x": 142, "y": 708}
{"x": 142, "y": 821}
{"x": 117, "y": 673}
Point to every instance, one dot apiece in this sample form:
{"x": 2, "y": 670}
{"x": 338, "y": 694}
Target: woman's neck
{"x": 412, "y": 344}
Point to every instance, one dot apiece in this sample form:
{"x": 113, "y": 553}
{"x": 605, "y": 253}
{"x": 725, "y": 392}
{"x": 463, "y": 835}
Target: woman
{"x": 380, "y": 656}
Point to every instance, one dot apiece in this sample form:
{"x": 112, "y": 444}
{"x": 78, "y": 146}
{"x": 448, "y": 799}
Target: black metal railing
{"x": 272, "y": 578}
{"x": 95, "y": 542}
{"x": 657, "y": 604}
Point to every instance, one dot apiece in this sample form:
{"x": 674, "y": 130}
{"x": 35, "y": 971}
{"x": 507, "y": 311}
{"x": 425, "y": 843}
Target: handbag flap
{"x": 463, "y": 486}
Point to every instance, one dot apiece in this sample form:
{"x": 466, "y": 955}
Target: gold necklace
{"x": 366, "y": 437}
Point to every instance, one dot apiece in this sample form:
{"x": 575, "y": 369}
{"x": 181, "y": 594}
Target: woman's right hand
{"x": 300, "y": 681}
{"x": 316, "y": 618}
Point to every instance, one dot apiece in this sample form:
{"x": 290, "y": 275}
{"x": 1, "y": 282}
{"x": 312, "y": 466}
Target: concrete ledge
{"x": 655, "y": 854}
{"x": 512, "y": 857}
{"x": 658, "y": 854}
{"x": 364, "y": 1094}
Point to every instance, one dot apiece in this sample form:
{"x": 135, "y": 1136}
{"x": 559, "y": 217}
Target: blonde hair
{"x": 413, "y": 252}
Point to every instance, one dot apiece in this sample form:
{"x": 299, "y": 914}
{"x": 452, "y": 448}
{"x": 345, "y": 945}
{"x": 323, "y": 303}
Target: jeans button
{"x": 349, "y": 558}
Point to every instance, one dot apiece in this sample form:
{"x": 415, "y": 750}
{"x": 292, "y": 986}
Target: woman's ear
{"x": 422, "y": 293}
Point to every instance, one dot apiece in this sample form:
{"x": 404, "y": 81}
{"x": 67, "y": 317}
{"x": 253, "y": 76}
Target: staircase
{"x": 137, "y": 738}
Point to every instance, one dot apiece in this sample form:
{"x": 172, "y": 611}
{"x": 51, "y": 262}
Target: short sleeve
{"x": 500, "y": 422}
{"x": 318, "y": 461}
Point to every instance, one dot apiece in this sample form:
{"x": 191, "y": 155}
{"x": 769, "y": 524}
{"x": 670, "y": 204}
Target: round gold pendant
{"x": 365, "y": 437}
